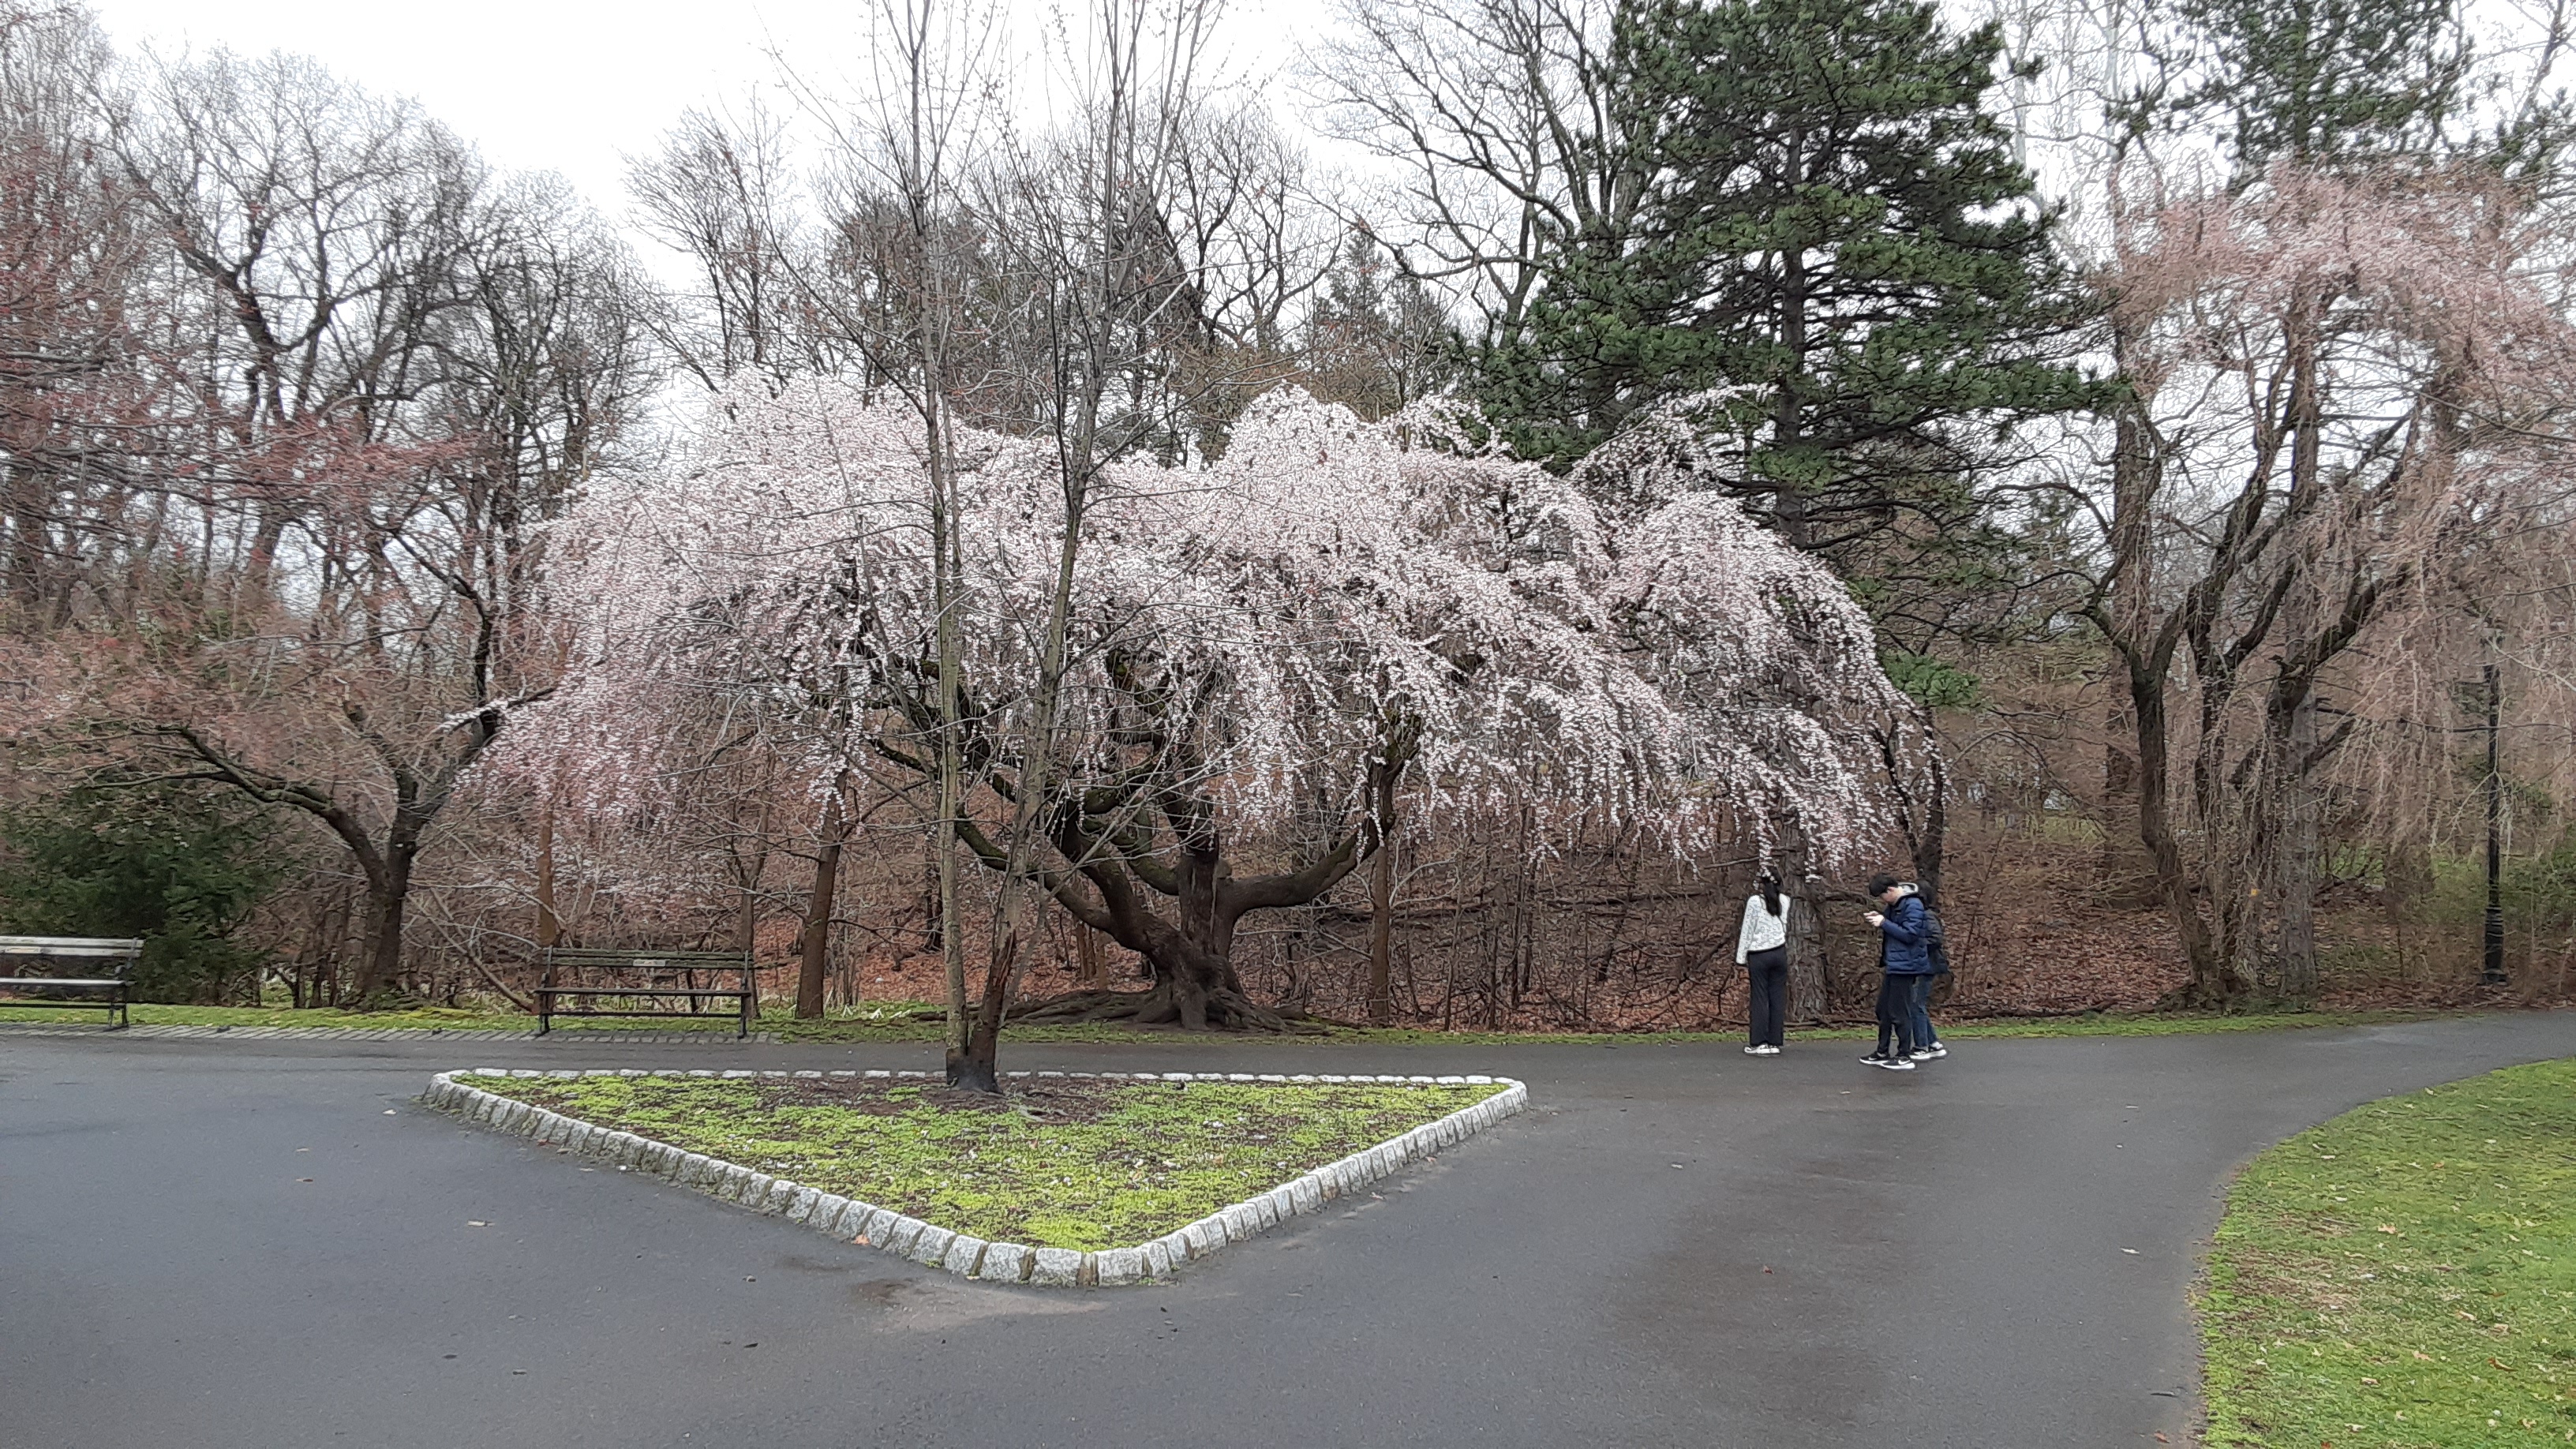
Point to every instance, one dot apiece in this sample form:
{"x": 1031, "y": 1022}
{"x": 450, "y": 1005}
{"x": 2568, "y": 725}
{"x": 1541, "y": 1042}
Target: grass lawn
{"x": 1057, "y": 1162}
{"x": 2404, "y": 1277}
{"x": 894, "y": 1021}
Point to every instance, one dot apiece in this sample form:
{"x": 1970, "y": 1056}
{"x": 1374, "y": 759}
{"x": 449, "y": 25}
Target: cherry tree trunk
{"x": 388, "y": 899}
{"x": 2301, "y": 853}
{"x": 818, "y": 917}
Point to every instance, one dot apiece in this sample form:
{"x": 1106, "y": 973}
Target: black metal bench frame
{"x": 687, "y": 963}
{"x": 113, "y": 991}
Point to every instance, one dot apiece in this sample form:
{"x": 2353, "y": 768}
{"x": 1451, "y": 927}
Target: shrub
{"x": 176, "y": 867}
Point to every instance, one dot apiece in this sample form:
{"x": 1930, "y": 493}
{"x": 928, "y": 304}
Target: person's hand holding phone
{"x": 1876, "y": 919}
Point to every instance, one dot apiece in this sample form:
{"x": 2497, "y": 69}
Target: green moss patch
{"x": 1070, "y": 1162}
{"x": 2404, "y": 1277}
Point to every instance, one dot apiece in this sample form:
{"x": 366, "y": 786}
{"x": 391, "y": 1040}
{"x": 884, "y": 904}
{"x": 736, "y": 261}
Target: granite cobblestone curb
{"x": 384, "y": 1033}
{"x": 970, "y": 1257}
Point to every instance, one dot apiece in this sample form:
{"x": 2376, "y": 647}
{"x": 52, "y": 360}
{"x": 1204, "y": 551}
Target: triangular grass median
{"x": 1073, "y": 1162}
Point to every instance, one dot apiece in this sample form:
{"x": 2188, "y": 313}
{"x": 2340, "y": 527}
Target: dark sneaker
{"x": 1932, "y": 1053}
{"x": 1875, "y": 1059}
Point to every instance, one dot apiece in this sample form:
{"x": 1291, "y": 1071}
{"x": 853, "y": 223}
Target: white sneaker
{"x": 1896, "y": 1064}
{"x": 1753, "y": 1051}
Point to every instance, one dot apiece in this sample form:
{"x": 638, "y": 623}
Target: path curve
{"x": 1676, "y": 1245}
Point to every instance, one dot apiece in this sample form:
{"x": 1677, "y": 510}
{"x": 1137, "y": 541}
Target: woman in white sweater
{"x": 1762, "y": 949}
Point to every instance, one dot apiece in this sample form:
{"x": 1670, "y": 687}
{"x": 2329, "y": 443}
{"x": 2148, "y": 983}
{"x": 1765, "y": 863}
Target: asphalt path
{"x": 208, "y": 1244}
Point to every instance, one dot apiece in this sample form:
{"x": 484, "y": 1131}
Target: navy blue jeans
{"x": 1918, "y": 1010}
{"x": 1896, "y": 1008}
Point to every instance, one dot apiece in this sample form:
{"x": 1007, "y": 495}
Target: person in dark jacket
{"x": 1904, "y": 960}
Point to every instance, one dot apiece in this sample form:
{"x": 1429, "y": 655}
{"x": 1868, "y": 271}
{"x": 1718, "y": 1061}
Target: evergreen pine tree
{"x": 2321, "y": 82}
{"x": 1829, "y": 223}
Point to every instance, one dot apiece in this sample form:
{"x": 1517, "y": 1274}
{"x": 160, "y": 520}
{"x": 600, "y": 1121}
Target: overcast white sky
{"x": 569, "y": 85}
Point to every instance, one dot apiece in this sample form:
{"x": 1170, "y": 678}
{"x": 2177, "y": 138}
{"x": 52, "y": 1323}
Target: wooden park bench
{"x": 106, "y": 964}
{"x": 644, "y": 983}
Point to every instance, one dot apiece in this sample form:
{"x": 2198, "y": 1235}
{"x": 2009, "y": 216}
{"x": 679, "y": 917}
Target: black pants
{"x": 1768, "y": 972}
{"x": 1896, "y": 1014}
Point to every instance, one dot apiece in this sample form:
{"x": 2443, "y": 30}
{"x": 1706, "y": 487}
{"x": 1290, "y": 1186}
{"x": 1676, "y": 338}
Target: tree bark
{"x": 388, "y": 901}
{"x": 2302, "y": 854}
{"x": 2294, "y": 732}
{"x": 810, "y": 970}
{"x": 549, "y": 924}
{"x": 1088, "y": 974}
{"x": 1380, "y": 996}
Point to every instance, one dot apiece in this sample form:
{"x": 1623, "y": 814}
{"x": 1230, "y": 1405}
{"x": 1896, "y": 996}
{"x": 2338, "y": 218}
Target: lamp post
{"x": 2493, "y": 974}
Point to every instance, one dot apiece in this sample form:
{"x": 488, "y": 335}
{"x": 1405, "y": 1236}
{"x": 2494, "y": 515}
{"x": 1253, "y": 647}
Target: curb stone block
{"x": 1117, "y": 1267}
{"x": 1004, "y": 1263}
{"x": 963, "y": 1254}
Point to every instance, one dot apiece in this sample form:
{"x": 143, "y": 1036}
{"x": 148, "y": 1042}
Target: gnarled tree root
{"x": 1158, "y": 1006}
